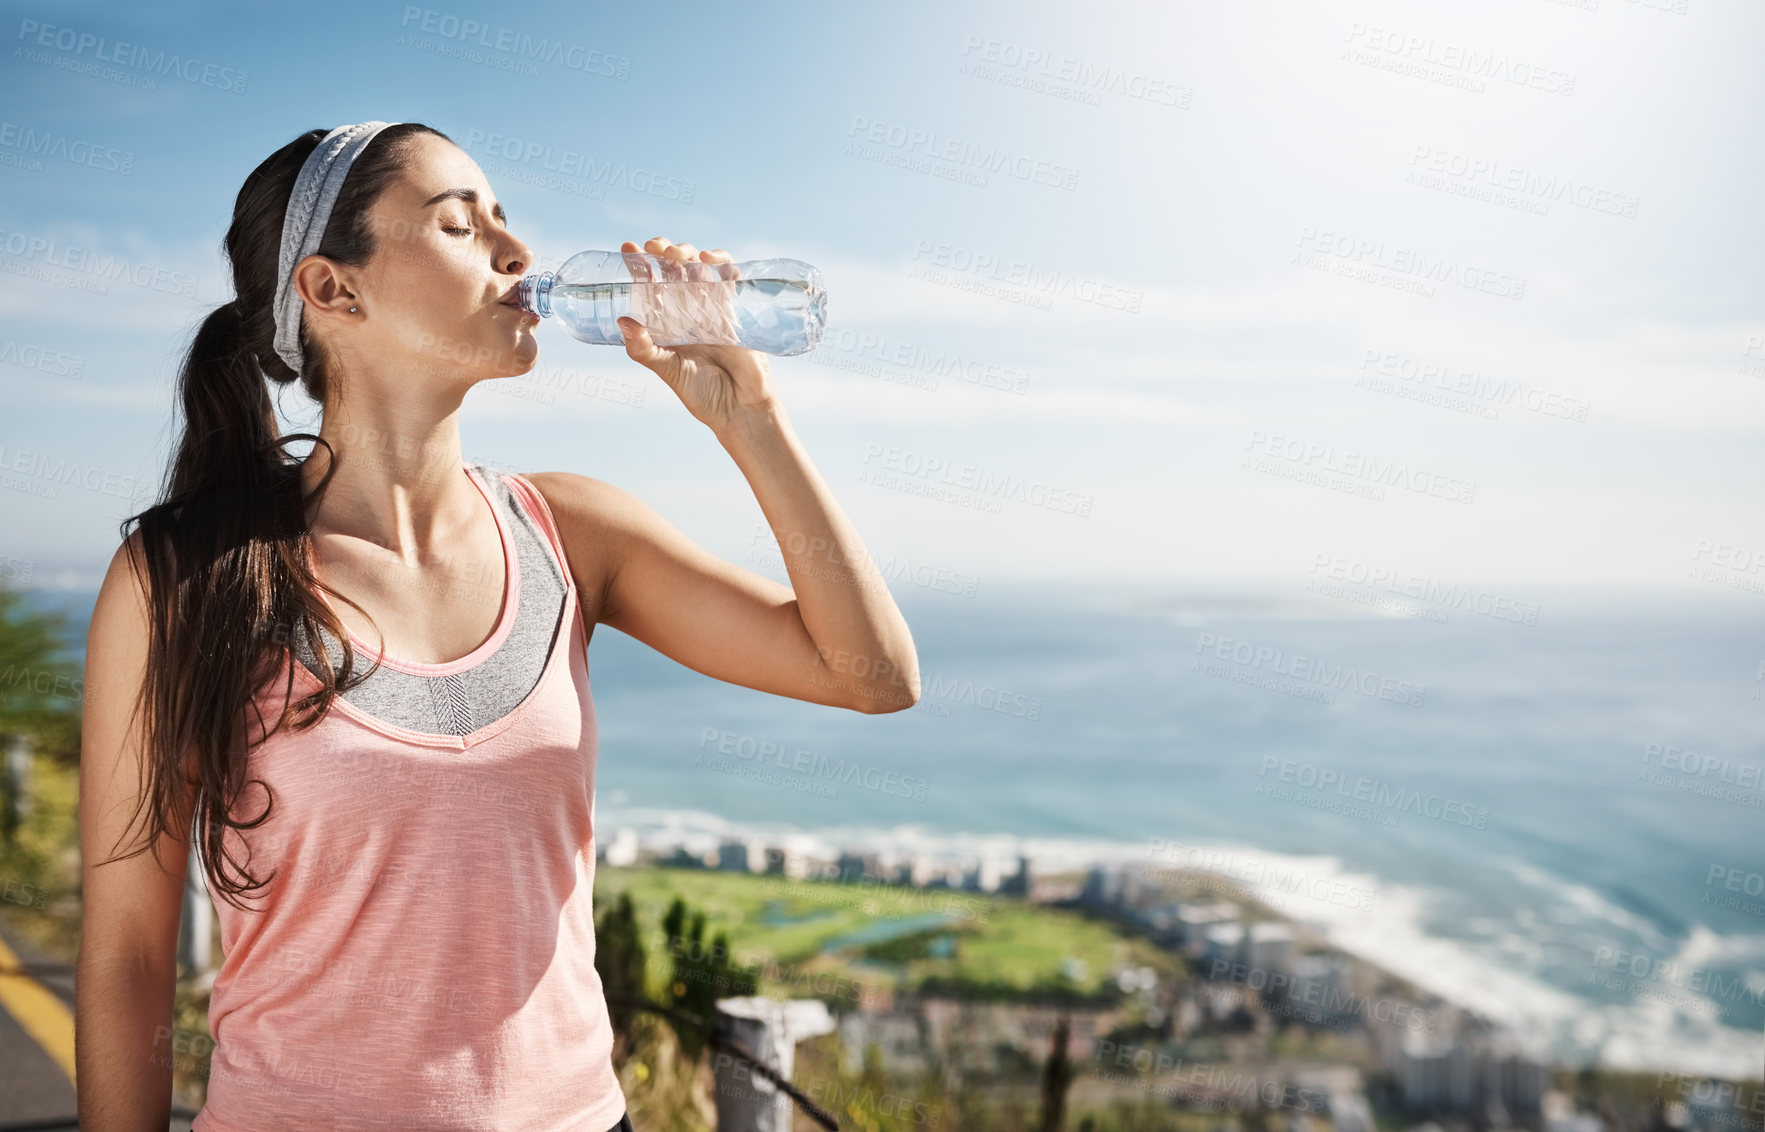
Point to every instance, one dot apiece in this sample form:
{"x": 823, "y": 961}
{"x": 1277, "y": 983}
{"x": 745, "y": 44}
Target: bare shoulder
{"x": 125, "y": 591}
{"x": 588, "y": 500}
{"x": 597, "y": 521}
{"x": 117, "y": 636}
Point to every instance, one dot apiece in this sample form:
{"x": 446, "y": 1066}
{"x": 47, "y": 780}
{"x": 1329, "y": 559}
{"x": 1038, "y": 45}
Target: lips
{"x": 512, "y": 297}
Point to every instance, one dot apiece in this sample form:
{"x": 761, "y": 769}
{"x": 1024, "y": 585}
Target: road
{"x": 37, "y": 1041}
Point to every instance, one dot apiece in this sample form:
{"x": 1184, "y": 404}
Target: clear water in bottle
{"x": 775, "y": 306}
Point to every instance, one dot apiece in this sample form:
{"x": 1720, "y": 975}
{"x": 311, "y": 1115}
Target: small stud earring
{"x": 351, "y": 310}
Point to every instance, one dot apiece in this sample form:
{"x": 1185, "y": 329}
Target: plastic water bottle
{"x": 775, "y": 306}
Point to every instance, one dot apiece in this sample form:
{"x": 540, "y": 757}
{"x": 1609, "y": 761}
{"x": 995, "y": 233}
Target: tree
{"x": 1057, "y": 1076}
{"x": 701, "y": 975}
{"x": 619, "y": 960}
{"x": 39, "y": 691}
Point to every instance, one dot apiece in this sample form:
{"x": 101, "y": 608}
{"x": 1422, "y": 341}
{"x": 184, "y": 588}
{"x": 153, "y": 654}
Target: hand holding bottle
{"x": 717, "y": 384}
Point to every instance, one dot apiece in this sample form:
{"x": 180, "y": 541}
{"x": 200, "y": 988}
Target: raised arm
{"x": 833, "y": 637}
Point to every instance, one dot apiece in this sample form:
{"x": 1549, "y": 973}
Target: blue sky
{"x": 1250, "y": 294}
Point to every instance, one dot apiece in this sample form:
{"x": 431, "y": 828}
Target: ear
{"x": 323, "y": 286}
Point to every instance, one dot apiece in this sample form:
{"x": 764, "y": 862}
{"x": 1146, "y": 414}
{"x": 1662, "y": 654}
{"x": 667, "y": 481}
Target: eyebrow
{"x": 470, "y": 196}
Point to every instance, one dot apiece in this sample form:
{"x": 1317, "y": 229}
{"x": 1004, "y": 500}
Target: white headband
{"x": 303, "y": 225}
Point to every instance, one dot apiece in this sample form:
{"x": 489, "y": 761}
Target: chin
{"x": 520, "y": 358}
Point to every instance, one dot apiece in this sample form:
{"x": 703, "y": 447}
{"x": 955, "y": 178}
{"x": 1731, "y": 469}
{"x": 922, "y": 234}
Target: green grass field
{"x": 880, "y": 935}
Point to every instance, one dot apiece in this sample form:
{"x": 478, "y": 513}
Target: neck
{"x": 398, "y": 480}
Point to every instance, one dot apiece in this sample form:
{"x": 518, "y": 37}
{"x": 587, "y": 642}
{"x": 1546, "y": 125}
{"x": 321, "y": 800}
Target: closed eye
{"x": 467, "y": 231}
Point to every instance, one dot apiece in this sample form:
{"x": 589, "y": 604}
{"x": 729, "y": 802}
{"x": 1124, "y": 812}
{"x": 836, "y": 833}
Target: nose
{"x": 514, "y": 257}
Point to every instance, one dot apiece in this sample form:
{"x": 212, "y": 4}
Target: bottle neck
{"x": 536, "y": 293}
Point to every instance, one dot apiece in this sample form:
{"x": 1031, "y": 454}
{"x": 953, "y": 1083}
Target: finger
{"x": 714, "y": 259}
{"x": 726, "y": 264}
{"x": 659, "y": 247}
{"x": 639, "y": 346}
{"x": 717, "y": 257}
{"x": 635, "y": 262}
{"x": 684, "y": 255}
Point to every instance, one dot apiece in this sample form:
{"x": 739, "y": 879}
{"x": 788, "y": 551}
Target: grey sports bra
{"x": 461, "y": 702}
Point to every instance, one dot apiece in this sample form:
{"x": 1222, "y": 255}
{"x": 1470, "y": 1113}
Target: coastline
{"x": 1385, "y": 937}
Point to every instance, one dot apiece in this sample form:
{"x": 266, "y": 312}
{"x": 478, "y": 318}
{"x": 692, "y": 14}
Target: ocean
{"x": 1544, "y": 808}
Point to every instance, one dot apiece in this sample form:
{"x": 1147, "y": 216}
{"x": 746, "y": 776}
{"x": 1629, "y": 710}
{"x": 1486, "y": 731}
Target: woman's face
{"x": 434, "y": 295}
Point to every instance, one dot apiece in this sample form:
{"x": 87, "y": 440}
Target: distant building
{"x": 1052, "y": 889}
{"x": 969, "y": 1037}
{"x": 1320, "y": 986}
{"x": 860, "y": 866}
{"x": 787, "y": 862}
{"x": 1270, "y": 947}
{"x": 621, "y": 850}
{"x": 1103, "y": 887}
{"x": 1435, "y": 1073}
{"x": 915, "y": 871}
{"x": 983, "y": 876}
{"x": 1514, "y": 1079}
{"x": 1222, "y": 943}
{"x": 897, "y": 1036}
{"x": 1018, "y": 883}
{"x": 680, "y": 857}
{"x": 1192, "y": 921}
{"x": 1135, "y": 891}
{"x": 1465, "y": 1067}
{"x": 741, "y": 855}
{"x": 945, "y": 875}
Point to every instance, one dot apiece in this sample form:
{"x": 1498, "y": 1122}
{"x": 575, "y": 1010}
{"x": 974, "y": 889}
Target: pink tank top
{"x": 424, "y": 956}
